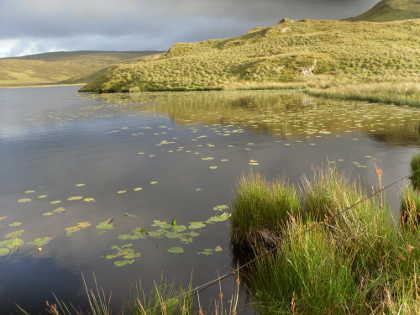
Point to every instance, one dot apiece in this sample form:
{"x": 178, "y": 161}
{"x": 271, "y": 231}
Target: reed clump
{"x": 337, "y": 251}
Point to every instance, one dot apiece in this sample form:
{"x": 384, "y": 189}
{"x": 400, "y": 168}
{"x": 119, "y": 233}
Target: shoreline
{"x": 40, "y": 86}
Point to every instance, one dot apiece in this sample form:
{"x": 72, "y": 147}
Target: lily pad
{"x": 176, "y": 250}
{"x": 206, "y": 252}
{"x": 42, "y": 196}
{"x": 195, "y": 225}
{"x": 89, "y": 199}
{"x": 219, "y": 218}
{"x": 213, "y": 167}
{"x": 105, "y": 225}
{"x": 40, "y": 241}
{"x": 122, "y": 263}
{"x": 55, "y": 202}
{"x": 81, "y": 225}
{"x": 15, "y": 224}
{"x": 121, "y": 192}
{"x": 48, "y": 214}
{"x": 154, "y": 182}
{"x": 13, "y": 243}
{"x": 80, "y": 185}
{"x": 74, "y": 198}
{"x": 59, "y": 210}
{"x": 29, "y": 192}
{"x": 4, "y": 252}
{"x": 14, "y": 234}
{"x": 24, "y": 200}
{"x": 220, "y": 207}
{"x": 137, "y": 189}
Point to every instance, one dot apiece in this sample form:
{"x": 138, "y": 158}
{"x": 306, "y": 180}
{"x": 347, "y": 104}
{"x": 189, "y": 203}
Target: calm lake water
{"x": 82, "y": 176}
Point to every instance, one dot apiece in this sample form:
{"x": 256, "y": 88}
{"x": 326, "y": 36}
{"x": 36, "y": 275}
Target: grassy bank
{"x": 385, "y": 93}
{"x": 326, "y": 260}
{"x": 309, "y": 53}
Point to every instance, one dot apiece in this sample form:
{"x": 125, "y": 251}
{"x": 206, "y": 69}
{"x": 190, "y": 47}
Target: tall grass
{"x": 415, "y": 171}
{"x": 261, "y": 206}
{"x": 332, "y": 257}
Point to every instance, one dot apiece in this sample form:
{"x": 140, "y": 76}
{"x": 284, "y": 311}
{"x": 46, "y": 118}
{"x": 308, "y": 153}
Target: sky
{"x": 34, "y": 26}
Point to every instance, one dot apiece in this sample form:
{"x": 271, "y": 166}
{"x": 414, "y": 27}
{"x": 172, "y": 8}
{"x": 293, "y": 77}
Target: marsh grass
{"x": 415, "y": 171}
{"x": 386, "y": 93}
{"x": 165, "y": 299}
{"x": 328, "y": 260}
{"x": 261, "y": 206}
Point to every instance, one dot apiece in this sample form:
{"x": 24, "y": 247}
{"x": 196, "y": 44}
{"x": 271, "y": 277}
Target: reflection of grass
{"x": 386, "y": 93}
{"x": 288, "y": 114}
{"x": 328, "y": 261}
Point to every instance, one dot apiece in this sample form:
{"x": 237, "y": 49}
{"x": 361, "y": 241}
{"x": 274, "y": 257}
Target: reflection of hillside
{"x": 287, "y": 115}
{"x": 406, "y": 134}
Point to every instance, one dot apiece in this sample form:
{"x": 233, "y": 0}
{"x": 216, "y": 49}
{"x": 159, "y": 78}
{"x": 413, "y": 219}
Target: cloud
{"x": 147, "y": 24}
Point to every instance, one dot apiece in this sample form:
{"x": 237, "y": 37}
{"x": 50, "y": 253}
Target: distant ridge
{"x": 391, "y": 10}
{"x": 61, "y": 67}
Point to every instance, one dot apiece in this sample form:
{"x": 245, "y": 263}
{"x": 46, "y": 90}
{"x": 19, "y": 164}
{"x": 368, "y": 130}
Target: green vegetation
{"x": 328, "y": 260}
{"x": 386, "y": 93}
{"x": 291, "y": 54}
{"x": 415, "y": 172}
{"x": 390, "y": 10}
{"x": 61, "y": 67}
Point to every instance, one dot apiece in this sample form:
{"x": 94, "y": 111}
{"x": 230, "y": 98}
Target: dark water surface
{"x": 127, "y": 161}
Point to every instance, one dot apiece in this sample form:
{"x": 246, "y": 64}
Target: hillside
{"x": 389, "y": 10}
{"x": 60, "y": 67}
{"x": 307, "y": 52}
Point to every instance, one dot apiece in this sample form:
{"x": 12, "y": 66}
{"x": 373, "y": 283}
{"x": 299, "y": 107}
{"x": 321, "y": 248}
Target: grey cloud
{"x": 151, "y": 24}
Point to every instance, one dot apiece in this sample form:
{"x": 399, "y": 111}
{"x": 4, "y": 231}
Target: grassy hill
{"x": 389, "y": 10}
{"x": 292, "y": 53}
{"x": 61, "y": 67}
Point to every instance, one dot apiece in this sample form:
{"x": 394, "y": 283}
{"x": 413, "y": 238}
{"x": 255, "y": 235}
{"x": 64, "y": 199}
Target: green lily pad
{"x": 206, "y": 252}
{"x": 122, "y": 263}
{"x": 40, "y": 241}
{"x": 4, "y": 251}
{"x": 55, "y": 202}
{"x": 13, "y": 243}
{"x": 48, "y": 214}
{"x": 136, "y": 189}
{"x": 29, "y": 192}
{"x": 219, "y": 218}
{"x": 105, "y": 225}
{"x": 176, "y": 250}
{"x": 195, "y": 225}
{"x": 154, "y": 182}
{"x": 74, "y": 198}
{"x": 80, "y": 185}
{"x": 121, "y": 192}
{"x": 89, "y": 199}
{"x": 59, "y": 210}
{"x": 15, "y": 224}
{"x": 24, "y": 200}
{"x": 42, "y": 196}
{"x": 220, "y": 207}
{"x": 218, "y": 249}
{"x": 14, "y": 234}
{"x": 79, "y": 226}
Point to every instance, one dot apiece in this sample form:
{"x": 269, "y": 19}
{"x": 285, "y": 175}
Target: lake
{"x": 131, "y": 189}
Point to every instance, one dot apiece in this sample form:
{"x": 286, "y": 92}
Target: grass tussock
{"x": 331, "y": 257}
{"x": 415, "y": 171}
{"x": 261, "y": 206}
{"x": 386, "y": 93}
